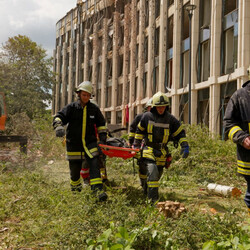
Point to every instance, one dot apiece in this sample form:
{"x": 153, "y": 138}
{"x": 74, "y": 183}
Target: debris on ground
{"x": 171, "y": 208}
{"x": 226, "y": 191}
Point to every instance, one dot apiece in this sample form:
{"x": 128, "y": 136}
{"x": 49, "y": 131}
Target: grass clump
{"x": 38, "y": 210}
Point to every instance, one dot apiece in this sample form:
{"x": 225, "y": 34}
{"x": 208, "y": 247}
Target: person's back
{"x": 237, "y": 129}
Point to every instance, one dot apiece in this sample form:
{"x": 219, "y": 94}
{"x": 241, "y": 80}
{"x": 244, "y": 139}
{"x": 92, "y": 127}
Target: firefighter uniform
{"x": 140, "y": 162}
{"x": 81, "y": 141}
{"x": 157, "y": 130}
{"x": 237, "y": 128}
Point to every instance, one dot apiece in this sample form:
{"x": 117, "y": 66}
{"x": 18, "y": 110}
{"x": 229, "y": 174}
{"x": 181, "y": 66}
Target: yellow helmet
{"x": 160, "y": 99}
{"x": 85, "y": 86}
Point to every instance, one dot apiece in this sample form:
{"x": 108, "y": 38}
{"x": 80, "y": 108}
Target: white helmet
{"x": 149, "y": 103}
{"x": 85, "y": 86}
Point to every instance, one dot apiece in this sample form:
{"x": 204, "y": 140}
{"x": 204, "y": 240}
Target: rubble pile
{"x": 171, "y": 208}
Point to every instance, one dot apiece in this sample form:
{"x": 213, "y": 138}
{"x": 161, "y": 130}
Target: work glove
{"x": 184, "y": 150}
{"x": 60, "y": 131}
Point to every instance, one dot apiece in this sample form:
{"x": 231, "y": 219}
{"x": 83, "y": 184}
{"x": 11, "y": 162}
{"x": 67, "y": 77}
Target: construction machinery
{"x": 23, "y": 140}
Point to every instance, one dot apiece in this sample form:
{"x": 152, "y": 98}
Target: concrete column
{"x": 133, "y": 42}
{"x": 215, "y": 38}
{"x": 141, "y": 62}
{"x": 176, "y": 57}
{"x": 77, "y": 62}
{"x": 86, "y": 56}
{"x": 194, "y": 46}
{"x": 215, "y": 52}
{"x": 58, "y": 78}
{"x": 64, "y": 74}
{"x": 125, "y": 94}
{"x": 163, "y": 45}
{"x": 151, "y": 48}
{"x": 243, "y": 39}
{"x": 70, "y": 75}
{"x": 114, "y": 66}
{"x": 104, "y": 63}
{"x": 95, "y": 59}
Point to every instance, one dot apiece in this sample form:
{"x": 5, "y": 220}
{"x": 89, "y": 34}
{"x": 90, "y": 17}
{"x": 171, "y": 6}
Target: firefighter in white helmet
{"x": 81, "y": 142}
{"x": 157, "y": 128}
{"x": 140, "y": 162}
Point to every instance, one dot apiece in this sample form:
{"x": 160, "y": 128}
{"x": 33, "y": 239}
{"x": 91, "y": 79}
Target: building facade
{"x": 130, "y": 49}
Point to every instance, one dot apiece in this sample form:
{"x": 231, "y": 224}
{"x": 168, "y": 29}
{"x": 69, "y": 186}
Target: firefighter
{"x": 81, "y": 142}
{"x": 140, "y": 162}
{"x": 237, "y": 128}
{"x": 157, "y": 127}
{"x": 101, "y": 159}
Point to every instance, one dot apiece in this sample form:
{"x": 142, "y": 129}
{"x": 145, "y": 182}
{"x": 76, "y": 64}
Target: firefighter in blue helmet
{"x": 157, "y": 128}
{"x": 81, "y": 141}
{"x": 237, "y": 128}
{"x": 140, "y": 162}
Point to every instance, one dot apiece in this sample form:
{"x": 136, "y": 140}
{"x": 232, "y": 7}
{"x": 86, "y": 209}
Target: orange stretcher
{"x": 120, "y": 152}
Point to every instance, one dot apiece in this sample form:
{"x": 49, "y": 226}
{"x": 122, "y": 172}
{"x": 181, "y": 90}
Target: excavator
{"x": 10, "y": 138}
{"x": 3, "y": 114}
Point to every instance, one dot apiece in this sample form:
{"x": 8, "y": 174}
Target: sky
{"x": 35, "y": 19}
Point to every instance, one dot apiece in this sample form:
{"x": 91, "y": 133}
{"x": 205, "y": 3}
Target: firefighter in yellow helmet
{"x": 157, "y": 128}
{"x": 81, "y": 142}
{"x": 237, "y": 129}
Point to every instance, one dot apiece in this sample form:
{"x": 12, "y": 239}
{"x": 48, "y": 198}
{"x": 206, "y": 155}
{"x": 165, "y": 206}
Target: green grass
{"x": 37, "y": 209}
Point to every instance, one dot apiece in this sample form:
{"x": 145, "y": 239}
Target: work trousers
{"x": 247, "y": 195}
{"x": 94, "y": 172}
{"x": 143, "y": 174}
{"x": 154, "y": 174}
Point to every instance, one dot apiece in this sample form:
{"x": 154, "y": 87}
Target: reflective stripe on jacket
{"x": 157, "y": 130}
{"x": 237, "y": 125}
{"x": 80, "y": 133}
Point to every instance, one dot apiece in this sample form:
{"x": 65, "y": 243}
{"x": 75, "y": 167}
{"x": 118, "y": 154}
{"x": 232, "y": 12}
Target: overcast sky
{"x": 33, "y": 18}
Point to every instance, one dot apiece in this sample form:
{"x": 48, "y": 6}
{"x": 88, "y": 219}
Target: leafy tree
{"x": 26, "y": 76}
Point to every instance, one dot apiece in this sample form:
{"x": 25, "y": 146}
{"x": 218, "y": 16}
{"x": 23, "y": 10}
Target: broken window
{"x": 146, "y": 49}
{"x": 183, "y": 108}
{"x": 155, "y": 80}
{"x": 108, "y": 117}
{"x": 119, "y": 117}
{"x": 229, "y": 38}
{"x": 157, "y": 39}
{"x": 144, "y": 84}
{"x": 119, "y": 94}
{"x": 169, "y": 54}
{"x": 157, "y": 8}
{"x": 135, "y": 90}
{"x": 185, "y": 49}
{"x": 226, "y": 91}
{"x": 120, "y": 65}
{"x": 203, "y": 107}
{"x": 109, "y": 68}
{"x": 229, "y": 6}
{"x": 108, "y": 94}
{"x": 146, "y": 13}
{"x": 170, "y": 2}
{"x": 204, "y": 44}
{"x": 137, "y": 22}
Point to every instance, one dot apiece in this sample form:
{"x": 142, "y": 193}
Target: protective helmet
{"x": 85, "y": 86}
{"x": 160, "y": 99}
{"x": 94, "y": 102}
{"x": 149, "y": 103}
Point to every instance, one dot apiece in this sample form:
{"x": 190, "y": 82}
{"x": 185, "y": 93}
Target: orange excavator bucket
{"x": 3, "y": 113}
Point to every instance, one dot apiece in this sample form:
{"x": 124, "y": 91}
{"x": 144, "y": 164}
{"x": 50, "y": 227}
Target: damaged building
{"x": 130, "y": 49}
